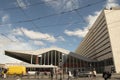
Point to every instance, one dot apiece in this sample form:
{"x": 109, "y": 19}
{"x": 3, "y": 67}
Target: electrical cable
{"x": 35, "y": 4}
{"x": 30, "y": 20}
{"x": 78, "y": 13}
{"x": 7, "y": 37}
{"x": 26, "y": 16}
{"x": 50, "y": 15}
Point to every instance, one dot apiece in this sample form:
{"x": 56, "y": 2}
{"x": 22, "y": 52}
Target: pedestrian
{"x": 109, "y": 75}
{"x": 75, "y": 73}
{"x": 69, "y": 75}
{"x": 5, "y": 73}
{"x": 94, "y": 73}
{"x": 51, "y": 73}
{"x": 37, "y": 74}
{"x": 0, "y": 72}
{"x": 18, "y": 78}
{"x": 105, "y": 75}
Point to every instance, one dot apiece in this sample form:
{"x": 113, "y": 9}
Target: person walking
{"x": 69, "y": 75}
{"x": 38, "y": 74}
{"x": 0, "y": 72}
{"x": 5, "y": 73}
{"x": 105, "y": 75}
{"x": 75, "y": 73}
{"x": 94, "y": 73}
{"x": 51, "y": 73}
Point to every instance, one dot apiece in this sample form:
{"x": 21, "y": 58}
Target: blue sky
{"x": 35, "y": 24}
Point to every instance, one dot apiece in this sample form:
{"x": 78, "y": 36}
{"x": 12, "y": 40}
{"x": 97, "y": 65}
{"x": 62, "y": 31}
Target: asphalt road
{"x": 99, "y": 77}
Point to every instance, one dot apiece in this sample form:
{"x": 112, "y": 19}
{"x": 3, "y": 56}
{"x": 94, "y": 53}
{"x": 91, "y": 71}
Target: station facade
{"x": 100, "y": 48}
{"x": 53, "y": 56}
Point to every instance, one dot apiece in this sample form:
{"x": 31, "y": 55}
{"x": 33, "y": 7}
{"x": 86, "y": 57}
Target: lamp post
{"x": 61, "y": 67}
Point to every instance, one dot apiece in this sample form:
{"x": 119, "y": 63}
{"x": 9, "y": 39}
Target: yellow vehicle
{"x": 16, "y": 70}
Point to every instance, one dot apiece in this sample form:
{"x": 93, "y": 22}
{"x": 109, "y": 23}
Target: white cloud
{"x": 35, "y": 35}
{"x": 63, "y": 5}
{"x": 77, "y": 32}
{"x": 7, "y": 45}
{"x": 23, "y": 3}
{"x": 90, "y": 19}
{"x": 12, "y": 43}
{"x": 40, "y": 43}
{"x": 4, "y": 42}
{"x": 5, "y": 18}
{"x": 19, "y": 46}
{"x": 111, "y": 3}
{"x": 12, "y": 37}
{"x": 60, "y": 38}
{"x": 17, "y": 32}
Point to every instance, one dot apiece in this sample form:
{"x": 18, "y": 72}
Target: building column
{"x": 41, "y": 60}
{"x": 73, "y": 59}
{"x": 31, "y": 59}
{"x": 80, "y": 64}
{"x": 59, "y": 58}
{"x": 51, "y": 57}
{"x": 66, "y": 63}
{"x": 47, "y": 58}
{"x": 55, "y": 59}
{"x": 37, "y": 59}
{"x": 69, "y": 62}
{"x": 76, "y": 63}
{"x": 44, "y": 58}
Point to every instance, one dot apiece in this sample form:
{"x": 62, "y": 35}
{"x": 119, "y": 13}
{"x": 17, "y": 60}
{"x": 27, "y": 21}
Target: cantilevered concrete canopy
{"x": 27, "y": 55}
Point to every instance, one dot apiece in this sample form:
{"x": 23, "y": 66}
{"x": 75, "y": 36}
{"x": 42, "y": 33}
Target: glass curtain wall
{"x": 67, "y": 62}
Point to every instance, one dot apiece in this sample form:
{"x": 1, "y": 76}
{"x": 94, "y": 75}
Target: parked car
{"x": 85, "y": 74}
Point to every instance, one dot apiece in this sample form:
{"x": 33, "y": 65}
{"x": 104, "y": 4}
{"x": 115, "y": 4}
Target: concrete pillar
{"x": 55, "y": 58}
{"x": 31, "y": 59}
{"x": 37, "y": 59}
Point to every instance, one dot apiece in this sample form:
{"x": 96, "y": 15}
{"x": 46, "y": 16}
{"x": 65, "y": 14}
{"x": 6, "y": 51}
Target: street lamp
{"x": 61, "y": 66}
{"x": 40, "y": 59}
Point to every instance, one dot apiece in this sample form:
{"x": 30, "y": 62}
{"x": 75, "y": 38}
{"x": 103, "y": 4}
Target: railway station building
{"x": 99, "y": 49}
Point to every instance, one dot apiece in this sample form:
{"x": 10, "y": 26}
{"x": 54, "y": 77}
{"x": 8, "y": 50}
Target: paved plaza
{"x": 99, "y": 77}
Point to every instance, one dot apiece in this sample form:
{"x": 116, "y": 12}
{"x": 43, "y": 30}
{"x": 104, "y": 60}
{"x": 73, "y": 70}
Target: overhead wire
{"x": 76, "y": 11}
{"x": 76, "y": 22}
{"x": 29, "y": 5}
{"x": 50, "y": 15}
{"x": 7, "y": 37}
{"x": 26, "y": 15}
